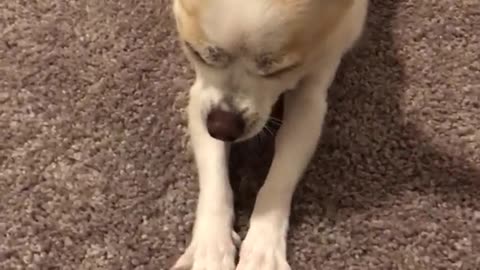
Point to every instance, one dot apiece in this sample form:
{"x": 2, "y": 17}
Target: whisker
{"x": 276, "y": 124}
{"x": 269, "y": 131}
{"x": 276, "y": 120}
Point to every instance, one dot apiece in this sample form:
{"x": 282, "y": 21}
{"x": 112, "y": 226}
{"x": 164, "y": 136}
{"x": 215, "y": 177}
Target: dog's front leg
{"x": 212, "y": 246}
{"x": 264, "y": 247}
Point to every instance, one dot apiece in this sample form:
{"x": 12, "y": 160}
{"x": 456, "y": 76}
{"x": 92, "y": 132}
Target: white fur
{"x": 264, "y": 248}
{"x": 212, "y": 246}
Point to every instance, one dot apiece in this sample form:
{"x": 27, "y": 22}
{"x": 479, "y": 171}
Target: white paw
{"x": 263, "y": 250}
{"x": 209, "y": 250}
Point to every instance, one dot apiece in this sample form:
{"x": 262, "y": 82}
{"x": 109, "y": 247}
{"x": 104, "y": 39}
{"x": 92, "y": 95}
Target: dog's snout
{"x": 225, "y": 125}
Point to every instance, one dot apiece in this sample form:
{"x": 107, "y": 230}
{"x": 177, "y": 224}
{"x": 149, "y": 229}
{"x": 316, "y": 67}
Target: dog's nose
{"x": 224, "y": 125}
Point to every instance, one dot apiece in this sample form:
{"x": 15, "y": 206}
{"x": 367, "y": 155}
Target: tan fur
{"x": 307, "y": 32}
{"x": 309, "y": 22}
{"x": 187, "y": 21}
{"x": 246, "y": 54}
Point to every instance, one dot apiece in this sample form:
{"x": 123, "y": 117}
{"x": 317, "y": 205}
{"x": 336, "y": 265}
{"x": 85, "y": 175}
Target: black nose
{"x": 224, "y": 125}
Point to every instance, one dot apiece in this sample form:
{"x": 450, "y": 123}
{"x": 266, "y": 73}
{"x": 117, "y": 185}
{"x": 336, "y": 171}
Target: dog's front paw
{"x": 263, "y": 249}
{"x": 209, "y": 250}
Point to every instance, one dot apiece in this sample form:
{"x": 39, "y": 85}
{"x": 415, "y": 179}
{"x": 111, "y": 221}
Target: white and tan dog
{"x": 246, "y": 53}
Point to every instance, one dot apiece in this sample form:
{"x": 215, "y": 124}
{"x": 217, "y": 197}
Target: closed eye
{"x": 195, "y": 53}
{"x": 281, "y": 71}
{"x": 210, "y": 55}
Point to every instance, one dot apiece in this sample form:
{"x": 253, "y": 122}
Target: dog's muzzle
{"x": 225, "y": 125}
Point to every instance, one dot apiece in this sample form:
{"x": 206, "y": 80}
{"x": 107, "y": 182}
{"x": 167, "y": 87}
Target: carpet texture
{"x": 95, "y": 171}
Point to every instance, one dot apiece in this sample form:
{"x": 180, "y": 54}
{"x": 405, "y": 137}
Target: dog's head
{"x": 246, "y": 53}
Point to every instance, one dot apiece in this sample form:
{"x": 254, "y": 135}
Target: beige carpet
{"x": 94, "y": 173}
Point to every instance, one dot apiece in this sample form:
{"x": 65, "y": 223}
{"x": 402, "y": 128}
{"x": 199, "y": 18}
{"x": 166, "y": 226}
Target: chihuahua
{"x": 246, "y": 54}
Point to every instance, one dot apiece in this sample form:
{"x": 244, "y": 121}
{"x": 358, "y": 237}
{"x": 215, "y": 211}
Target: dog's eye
{"x": 280, "y": 72}
{"x": 211, "y": 56}
{"x": 194, "y": 52}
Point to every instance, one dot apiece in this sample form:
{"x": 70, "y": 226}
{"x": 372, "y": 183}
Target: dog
{"x": 246, "y": 54}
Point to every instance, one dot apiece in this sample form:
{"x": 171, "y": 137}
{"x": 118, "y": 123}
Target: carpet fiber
{"x": 95, "y": 171}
